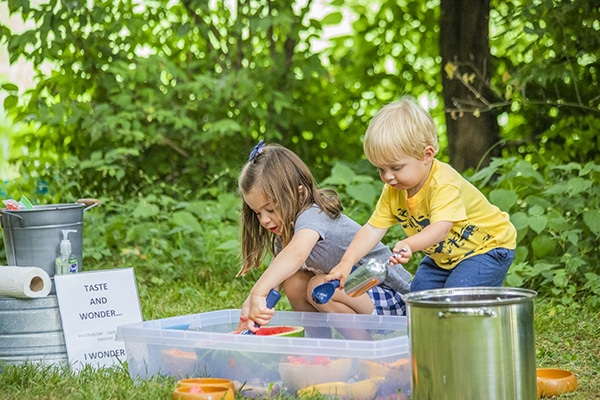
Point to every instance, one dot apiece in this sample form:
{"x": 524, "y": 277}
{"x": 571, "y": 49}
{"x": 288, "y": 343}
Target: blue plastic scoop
{"x": 272, "y": 299}
{"x": 322, "y": 293}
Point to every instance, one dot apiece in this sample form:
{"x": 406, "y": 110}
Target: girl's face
{"x": 264, "y": 211}
{"x": 408, "y": 173}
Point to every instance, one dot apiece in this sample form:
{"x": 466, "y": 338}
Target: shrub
{"x": 555, "y": 211}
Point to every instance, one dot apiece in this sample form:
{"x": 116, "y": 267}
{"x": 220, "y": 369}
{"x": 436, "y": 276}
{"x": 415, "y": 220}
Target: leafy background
{"x": 152, "y": 107}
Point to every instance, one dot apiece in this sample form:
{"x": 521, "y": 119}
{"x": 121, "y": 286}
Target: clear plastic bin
{"x": 366, "y": 355}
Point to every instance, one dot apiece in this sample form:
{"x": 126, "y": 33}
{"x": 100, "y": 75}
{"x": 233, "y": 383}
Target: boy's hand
{"x": 402, "y": 253}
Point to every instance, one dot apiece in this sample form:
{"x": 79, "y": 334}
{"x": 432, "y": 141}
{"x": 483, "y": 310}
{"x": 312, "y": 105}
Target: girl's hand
{"x": 341, "y": 272}
{"x": 258, "y": 312}
{"x": 244, "y": 315}
{"x": 402, "y": 253}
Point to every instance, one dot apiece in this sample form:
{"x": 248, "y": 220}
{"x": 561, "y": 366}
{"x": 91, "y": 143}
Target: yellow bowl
{"x": 554, "y": 381}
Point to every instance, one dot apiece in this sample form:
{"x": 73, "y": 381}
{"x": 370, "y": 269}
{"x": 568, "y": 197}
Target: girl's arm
{"x": 364, "y": 241}
{"x": 285, "y": 264}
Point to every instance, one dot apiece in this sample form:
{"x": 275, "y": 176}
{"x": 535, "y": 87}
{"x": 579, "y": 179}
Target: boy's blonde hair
{"x": 288, "y": 184}
{"x": 399, "y": 130}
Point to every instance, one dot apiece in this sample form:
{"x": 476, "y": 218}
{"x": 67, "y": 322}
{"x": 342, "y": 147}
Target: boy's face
{"x": 407, "y": 173}
{"x": 264, "y": 209}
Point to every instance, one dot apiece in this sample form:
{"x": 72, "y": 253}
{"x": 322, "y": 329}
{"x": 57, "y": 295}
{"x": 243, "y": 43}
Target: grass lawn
{"x": 567, "y": 338}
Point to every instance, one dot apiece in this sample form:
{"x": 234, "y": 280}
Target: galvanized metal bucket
{"x": 31, "y": 330}
{"x": 32, "y": 236}
{"x": 472, "y": 343}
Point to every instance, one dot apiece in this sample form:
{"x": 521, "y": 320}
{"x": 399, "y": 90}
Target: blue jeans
{"x": 487, "y": 269}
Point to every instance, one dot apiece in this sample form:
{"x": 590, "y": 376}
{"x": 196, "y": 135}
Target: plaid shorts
{"x": 387, "y": 301}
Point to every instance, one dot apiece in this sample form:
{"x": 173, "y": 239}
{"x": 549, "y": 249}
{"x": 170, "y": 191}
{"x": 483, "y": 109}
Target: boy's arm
{"x": 363, "y": 242}
{"x": 429, "y": 236}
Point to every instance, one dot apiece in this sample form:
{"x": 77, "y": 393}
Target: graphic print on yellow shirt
{"x": 478, "y": 226}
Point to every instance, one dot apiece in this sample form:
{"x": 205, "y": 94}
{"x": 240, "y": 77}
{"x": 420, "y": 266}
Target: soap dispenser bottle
{"x": 66, "y": 262}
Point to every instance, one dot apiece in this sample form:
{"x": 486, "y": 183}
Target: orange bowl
{"x": 203, "y": 382}
{"x": 203, "y": 393}
{"x": 554, "y": 381}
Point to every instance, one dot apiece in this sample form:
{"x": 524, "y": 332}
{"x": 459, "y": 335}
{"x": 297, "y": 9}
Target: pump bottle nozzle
{"x": 65, "y": 243}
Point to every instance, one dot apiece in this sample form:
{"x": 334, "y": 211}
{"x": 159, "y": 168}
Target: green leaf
{"x": 525, "y": 169}
{"x": 578, "y": 185}
{"x": 573, "y": 237}
{"x": 186, "y": 219}
{"x": 543, "y": 245}
{"x": 145, "y": 210}
{"x": 342, "y": 173}
{"x": 10, "y": 87}
{"x": 514, "y": 280}
{"x": 364, "y": 193}
{"x": 538, "y": 223}
{"x": 228, "y": 126}
{"x": 229, "y": 245}
{"x": 10, "y": 102}
{"x": 536, "y": 210}
{"x": 503, "y": 198}
{"x": 576, "y": 262}
{"x": 333, "y": 18}
{"x": 592, "y": 220}
{"x": 560, "y": 279}
{"x": 521, "y": 253}
{"x": 559, "y": 188}
{"x": 520, "y": 220}
{"x": 540, "y": 267}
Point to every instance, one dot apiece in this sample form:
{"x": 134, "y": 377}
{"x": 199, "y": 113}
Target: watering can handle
{"x": 467, "y": 312}
{"x": 89, "y": 203}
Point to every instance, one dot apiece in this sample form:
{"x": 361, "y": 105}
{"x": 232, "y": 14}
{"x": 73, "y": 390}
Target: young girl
{"x": 284, "y": 213}
{"x": 467, "y": 241}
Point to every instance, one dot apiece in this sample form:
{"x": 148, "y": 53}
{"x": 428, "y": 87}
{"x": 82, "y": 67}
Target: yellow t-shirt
{"x": 478, "y": 226}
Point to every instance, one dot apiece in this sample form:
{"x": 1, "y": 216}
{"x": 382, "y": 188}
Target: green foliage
{"x": 166, "y": 234}
{"x": 547, "y": 79}
{"x": 153, "y": 108}
{"x": 140, "y": 95}
{"x": 391, "y": 52}
{"x": 555, "y": 211}
{"x": 358, "y": 192}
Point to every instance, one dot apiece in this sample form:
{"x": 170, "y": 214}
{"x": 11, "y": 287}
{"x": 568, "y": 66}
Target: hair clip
{"x": 258, "y": 149}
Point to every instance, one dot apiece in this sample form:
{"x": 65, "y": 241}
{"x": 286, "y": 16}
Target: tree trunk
{"x": 472, "y": 127}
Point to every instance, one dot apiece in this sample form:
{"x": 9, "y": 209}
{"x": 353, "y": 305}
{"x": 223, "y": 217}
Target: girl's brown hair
{"x": 290, "y": 187}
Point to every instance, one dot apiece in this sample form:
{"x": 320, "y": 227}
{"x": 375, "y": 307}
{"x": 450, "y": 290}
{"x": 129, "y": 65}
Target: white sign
{"x": 92, "y": 305}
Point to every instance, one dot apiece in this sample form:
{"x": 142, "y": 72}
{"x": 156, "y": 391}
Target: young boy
{"x": 467, "y": 241}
